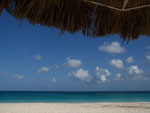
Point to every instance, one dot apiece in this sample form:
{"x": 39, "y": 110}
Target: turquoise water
{"x": 73, "y": 97}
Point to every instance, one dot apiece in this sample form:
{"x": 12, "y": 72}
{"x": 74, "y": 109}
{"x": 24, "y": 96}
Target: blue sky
{"x": 38, "y": 58}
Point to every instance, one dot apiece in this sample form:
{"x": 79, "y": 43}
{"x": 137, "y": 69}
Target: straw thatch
{"x": 129, "y": 18}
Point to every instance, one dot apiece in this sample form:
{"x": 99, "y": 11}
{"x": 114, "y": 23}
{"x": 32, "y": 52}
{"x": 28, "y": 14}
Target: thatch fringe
{"x": 92, "y": 20}
{"x": 4, "y": 4}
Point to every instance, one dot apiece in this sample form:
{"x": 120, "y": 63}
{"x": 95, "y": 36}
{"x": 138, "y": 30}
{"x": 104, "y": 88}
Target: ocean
{"x": 72, "y": 97}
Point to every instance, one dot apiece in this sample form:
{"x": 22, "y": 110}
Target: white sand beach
{"x": 75, "y": 108}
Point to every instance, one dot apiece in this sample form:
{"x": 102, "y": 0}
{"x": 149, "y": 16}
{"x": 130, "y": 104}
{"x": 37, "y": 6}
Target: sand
{"x": 75, "y": 108}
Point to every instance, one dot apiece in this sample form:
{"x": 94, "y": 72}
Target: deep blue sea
{"x": 73, "y": 97}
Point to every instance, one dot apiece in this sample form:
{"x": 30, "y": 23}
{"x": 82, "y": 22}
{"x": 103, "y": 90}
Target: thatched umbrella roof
{"x": 129, "y": 18}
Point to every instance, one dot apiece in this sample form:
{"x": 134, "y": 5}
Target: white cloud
{"x": 130, "y": 59}
{"x": 117, "y": 63}
{"x": 114, "y": 47}
{"x": 148, "y": 58}
{"x": 80, "y": 74}
{"x": 6, "y": 74}
{"x": 52, "y": 80}
{"x": 72, "y": 63}
{"x": 101, "y": 75}
{"x": 38, "y": 57}
{"x": 135, "y": 73}
{"x": 19, "y": 76}
{"x": 118, "y": 77}
{"x": 43, "y": 69}
{"x": 135, "y": 70}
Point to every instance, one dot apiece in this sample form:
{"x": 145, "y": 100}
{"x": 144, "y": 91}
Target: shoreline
{"x": 126, "y": 107}
{"x": 70, "y": 102}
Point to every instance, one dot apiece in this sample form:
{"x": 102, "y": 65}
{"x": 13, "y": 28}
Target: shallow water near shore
{"x": 72, "y": 97}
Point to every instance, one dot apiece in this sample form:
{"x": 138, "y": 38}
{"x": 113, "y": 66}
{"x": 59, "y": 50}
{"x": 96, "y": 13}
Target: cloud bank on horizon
{"x": 101, "y": 75}
{"x": 125, "y": 69}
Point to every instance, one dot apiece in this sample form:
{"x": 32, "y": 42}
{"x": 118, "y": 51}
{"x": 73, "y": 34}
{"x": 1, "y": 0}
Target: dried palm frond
{"x": 129, "y": 18}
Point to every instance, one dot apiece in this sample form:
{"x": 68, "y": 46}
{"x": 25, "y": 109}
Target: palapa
{"x": 96, "y": 18}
